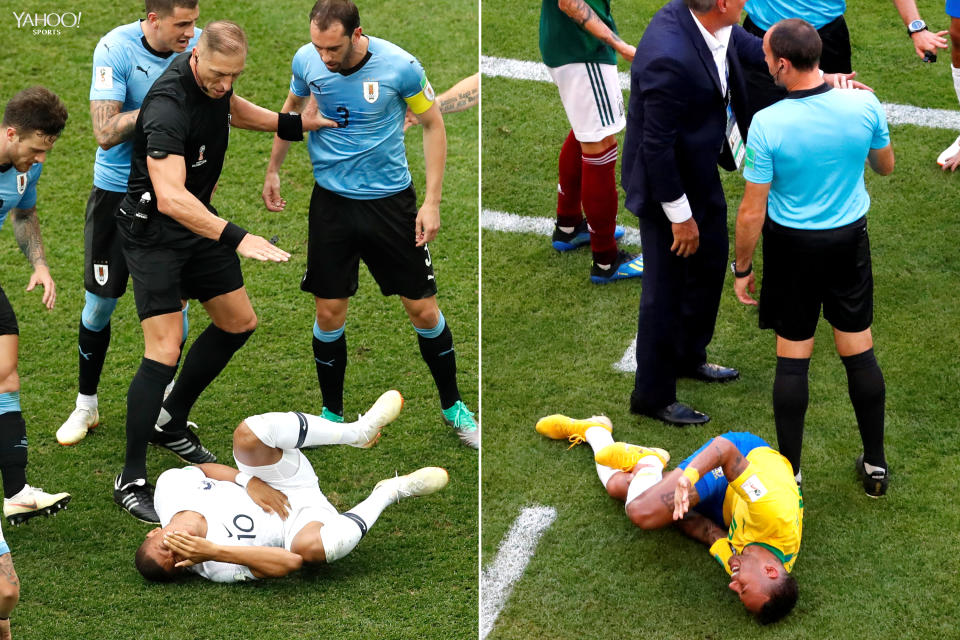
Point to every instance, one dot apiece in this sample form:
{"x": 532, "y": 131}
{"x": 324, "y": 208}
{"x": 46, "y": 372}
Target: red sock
{"x": 600, "y": 202}
{"x": 568, "y": 194}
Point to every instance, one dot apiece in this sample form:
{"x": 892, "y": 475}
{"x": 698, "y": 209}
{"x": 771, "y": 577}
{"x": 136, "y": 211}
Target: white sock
{"x": 341, "y": 535}
{"x": 956, "y": 80}
{"x": 378, "y": 500}
{"x": 86, "y": 402}
{"x": 295, "y": 430}
{"x": 598, "y": 438}
{"x": 649, "y": 473}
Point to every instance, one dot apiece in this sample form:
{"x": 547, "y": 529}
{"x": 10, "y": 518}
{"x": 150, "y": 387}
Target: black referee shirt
{"x": 178, "y": 118}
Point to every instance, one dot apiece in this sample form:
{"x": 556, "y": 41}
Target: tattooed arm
{"x": 9, "y": 593}
{"x": 459, "y": 97}
{"x": 700, "y": 528}
{"x": 26, "y": 229}
{"x": 110, "y": 126}
{"x": 588, "y": 20}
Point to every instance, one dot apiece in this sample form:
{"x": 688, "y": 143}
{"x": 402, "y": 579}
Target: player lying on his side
{"x": 746, "y": 505}
{"x": 270, "y": 517}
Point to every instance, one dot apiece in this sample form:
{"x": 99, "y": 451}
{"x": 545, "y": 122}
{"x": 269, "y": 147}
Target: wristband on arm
{"x": 692, "y": 475}
{"x": 290, "y": 126}
{"x": 243, "y": 479}
{"x": 232, "y": 235}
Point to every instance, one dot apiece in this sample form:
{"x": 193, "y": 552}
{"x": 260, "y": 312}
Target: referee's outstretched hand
{"x": 312, "y": 120}
{"x": 259, "y": 248}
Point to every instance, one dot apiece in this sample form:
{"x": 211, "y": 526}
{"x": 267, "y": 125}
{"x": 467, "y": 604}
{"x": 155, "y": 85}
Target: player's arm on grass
{"x": 435, "y": 160}
{"x": 925, "y": 40}
{"x": 263, "y": 562}
{"x": 719, "y": 453}
{"x": 588, "y": 20}
{"x": 750, "y": 217}
{"x": 168, "y": 175}
{"x": 271, "y": 183}
{"x": 26, "y": 229}
{"x": 266, "y": 497}
{"x": 110, "y": 126}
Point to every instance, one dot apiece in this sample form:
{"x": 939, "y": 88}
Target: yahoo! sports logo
{"x": 48, "y": 24}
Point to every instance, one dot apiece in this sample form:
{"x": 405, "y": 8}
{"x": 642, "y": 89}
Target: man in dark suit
{"x": 686, "y": 93}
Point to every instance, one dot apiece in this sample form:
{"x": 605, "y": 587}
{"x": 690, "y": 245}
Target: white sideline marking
{"x": 503, "y": 221}
{"x": 896, "y": 113}
{"x": 514, "y": 553}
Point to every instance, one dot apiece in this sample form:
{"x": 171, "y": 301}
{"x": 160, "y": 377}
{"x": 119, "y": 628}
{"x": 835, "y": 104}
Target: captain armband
{"x": 290, "y": 126}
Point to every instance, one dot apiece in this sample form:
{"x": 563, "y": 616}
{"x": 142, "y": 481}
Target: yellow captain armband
{"x": 422, "y": 101}
{"x": 691, "y": 474}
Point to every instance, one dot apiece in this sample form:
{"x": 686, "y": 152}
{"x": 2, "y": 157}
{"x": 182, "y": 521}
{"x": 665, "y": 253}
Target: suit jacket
{"x": 676, "y": 119}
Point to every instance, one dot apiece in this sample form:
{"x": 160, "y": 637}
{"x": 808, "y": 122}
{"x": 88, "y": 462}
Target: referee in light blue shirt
{"x": 804, "y": 172}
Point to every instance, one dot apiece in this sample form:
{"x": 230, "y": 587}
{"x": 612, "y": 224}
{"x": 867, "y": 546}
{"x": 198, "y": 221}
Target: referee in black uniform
{"x": 177, "y": 246}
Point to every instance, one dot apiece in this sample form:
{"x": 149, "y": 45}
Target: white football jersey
{"x": 232, "y": 517}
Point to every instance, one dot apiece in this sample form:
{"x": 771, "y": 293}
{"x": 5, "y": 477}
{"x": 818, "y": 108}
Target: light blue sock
{"x": 9, "y": 402}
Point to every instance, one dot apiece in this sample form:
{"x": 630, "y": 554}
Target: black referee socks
{"x": 868, "y": 395}
{"x": 143, "y": 405}
{"x": 791, "y": 395}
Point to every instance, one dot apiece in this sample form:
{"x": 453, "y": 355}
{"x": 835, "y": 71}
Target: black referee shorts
{"x": 8, "y": 319}
{"x": 381, "y": 232}
{"x": 804, "y": 269}
{"x": 104, "y": 267}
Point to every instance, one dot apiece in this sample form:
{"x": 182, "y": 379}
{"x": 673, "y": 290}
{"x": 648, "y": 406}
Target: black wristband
{"x": 232, "y": 235}
{"x": 740, "y": 274}
{"x": 290, "y": 127}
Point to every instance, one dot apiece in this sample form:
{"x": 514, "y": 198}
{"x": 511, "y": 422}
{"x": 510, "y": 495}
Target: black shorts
{"x": 104, "y": 268}
{"x": 381, "y": 232}
{"x": 165, "y": 272}
{"x": 804, "y": 269}
{"x": 8, "y": 319}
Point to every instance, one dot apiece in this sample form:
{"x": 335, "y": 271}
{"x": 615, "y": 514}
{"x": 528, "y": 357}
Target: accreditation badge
{"x": 734, "y": 141}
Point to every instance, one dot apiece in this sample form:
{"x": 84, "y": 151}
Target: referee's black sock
{"x": 331, "y": 360}
{"x": 790, "y": 397}
{"x": 207, "y": 357}
{"x": 868, "y": 396}
{"x": 93, "y": 351}
{"x": 436, "y": 347}
{"x": 13, "y": 452}
{"x": 143, "y": 404}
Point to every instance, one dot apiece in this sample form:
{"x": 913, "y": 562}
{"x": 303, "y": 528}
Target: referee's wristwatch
{"x": 740, "y": 274}
{"x": 916, "y": 26}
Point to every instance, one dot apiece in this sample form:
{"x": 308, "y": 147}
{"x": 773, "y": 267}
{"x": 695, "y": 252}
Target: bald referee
{"x": 175, "y": 244}
{"x": 804, "y": 172}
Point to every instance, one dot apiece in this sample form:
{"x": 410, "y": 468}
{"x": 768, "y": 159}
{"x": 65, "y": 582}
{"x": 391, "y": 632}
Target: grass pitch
{"x": 415, "y": 576}
{"x": 866, "y": 567}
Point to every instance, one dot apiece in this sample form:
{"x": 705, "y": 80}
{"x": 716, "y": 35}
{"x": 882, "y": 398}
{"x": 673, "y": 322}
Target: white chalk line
{"x": 513, "y": 555}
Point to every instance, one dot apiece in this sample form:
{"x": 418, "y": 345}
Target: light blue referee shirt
{"x": 364, "y": 158}
{"x": 124, "y": 69}
{"x": 18, "y": 190}
{"x": 811, "y": 148}
{"x": 766, "y": 13}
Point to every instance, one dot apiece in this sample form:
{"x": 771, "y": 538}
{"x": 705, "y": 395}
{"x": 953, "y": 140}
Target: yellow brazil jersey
{"x": 763, "y": 506}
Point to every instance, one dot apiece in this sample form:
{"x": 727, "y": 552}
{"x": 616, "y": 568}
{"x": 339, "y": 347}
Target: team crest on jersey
{"x": 371, "y": 91}
{"x": 101, "y": 273}
{"x": 104, "y": 78}
{"x": 200, "y": 159}
{"x": 21, "y": 183}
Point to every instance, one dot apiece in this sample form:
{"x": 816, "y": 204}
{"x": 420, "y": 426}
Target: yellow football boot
{"x": 561, "y": 427}
{"x": 623, "y": 456}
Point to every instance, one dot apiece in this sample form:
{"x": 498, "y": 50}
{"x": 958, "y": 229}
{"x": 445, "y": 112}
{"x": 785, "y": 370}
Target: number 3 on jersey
{"x": 343, "y": 111}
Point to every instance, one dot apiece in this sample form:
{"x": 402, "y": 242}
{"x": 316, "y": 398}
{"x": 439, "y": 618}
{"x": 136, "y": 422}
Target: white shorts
{"x": 294, "y": 475}
{"x": 592, "y": 98}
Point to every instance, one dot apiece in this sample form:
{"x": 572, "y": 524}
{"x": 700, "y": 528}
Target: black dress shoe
{"x": 709, "y": 372}
{"x": 680, "y": 415}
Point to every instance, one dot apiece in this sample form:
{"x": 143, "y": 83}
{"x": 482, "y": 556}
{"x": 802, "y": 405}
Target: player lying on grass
{"x": 269, "y": 518}
{"x": 746, "y": 506}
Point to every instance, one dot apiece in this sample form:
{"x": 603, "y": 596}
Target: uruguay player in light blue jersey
{"x": 32, "y": 122}
{"x": 804, "y": 172}
{"x": 363, "y": 204}
{"x": 126, "y": 62}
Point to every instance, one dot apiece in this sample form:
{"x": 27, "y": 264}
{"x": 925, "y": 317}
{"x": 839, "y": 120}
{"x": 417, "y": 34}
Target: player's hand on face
{"x": 193, "y": 549}
{"x": 427, "y": 224}
{"x": 261, "y": 249}
{"x": 312, "y": 120}
{"x": 271, "y": 192}
{"x": 742, "y": 285}
{"x": 41, "y": 276}
{"x": 686, "y": 238}
{"x": 681, "y": 497}
{"x": 267, "y": 498}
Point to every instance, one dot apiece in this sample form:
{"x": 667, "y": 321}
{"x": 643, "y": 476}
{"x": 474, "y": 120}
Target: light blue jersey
{"x": 766, "y": 13}
{"x": 124, "y": 69}
{"x": 811, "y": 147}
{"x": 364, "y": 158}
{"x": 18, "y": 190}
